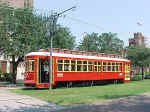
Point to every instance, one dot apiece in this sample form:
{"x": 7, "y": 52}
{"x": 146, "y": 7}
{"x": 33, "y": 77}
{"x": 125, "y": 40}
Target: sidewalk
{"x": 7, "y": 84}
{"x": 11, "y": 102}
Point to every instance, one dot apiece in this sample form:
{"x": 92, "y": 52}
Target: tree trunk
{"x": 14, "y": 72}
{"x": 142, "y": 72}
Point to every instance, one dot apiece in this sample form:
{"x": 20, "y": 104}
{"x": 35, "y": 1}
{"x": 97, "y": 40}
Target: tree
{"x": 139, "y": 56}
{"x": 63, "y": 38}
{"x": 110, "y": 43}
{"x": 89, "y": 43}
{"x": 23, "y": 31}
{"x": 106, "y": 42}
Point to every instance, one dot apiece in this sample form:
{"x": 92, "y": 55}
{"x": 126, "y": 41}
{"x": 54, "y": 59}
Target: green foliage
{"x": 63, "y": 38}
{"x": 147, "y": 73}
{"x": 89, "y": 43}
{"x": 139, "y": 56}
{"x": 106, "y": 42}
{"x": 138, "y": 73}
{"x": 136, "y": 78}
{"x": 6, "y": 77}
{"x": 23, "y": 31}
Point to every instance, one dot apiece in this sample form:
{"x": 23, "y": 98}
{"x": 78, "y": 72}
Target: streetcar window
{"x": 60, "y": 67}
{"x": 78, "y": 68}
{"x": 66, "y": 65}
{"x": 90, "y": 68}
{"x": 73, "y": 65}
{"x": 31, "y": 65}
{"x": 120, "y": 67}
{"x": 59, "y": 61}
{"x": 113, "y": 67}
{"x": 104, "y": 66}
{"x": 84, "y": 62}
{"x": 26, "y": 66}
{"x": 90, "y": 62}
{"x": 66, "y": 61}
{"x": 97, "y": 66}
{"x": 73, "y": 61}
{"x": 109, "y": 67}
{"x": 79, "y": 62}
{"x": 84, "y": 68}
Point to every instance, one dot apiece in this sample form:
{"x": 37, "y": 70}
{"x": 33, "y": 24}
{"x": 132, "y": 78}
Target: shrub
{"x": 136, "y": 78}
{"x": 147, "y": 73}
{"x": 138, "y": 73}
{"x": 6, "y": 77}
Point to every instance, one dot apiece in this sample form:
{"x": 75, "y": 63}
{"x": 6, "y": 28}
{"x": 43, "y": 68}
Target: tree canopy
{"x": 23, "y": 31}
{"x": 139, "y": 56}
{"x": 106, "y": 42}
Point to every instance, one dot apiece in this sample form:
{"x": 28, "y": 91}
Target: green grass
{"x": 86, "y": 95}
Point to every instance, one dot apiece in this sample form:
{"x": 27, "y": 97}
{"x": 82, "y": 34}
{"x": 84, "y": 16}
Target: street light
{"x": 51, "y": 34}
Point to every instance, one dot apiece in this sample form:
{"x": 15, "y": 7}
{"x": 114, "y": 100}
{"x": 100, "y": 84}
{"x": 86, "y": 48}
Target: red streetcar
{"x": 71, "y": 66}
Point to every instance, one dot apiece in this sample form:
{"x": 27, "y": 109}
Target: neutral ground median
{"x": 87, "y": 95}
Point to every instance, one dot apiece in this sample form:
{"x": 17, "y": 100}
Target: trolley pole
{"x": 52, "y": 33}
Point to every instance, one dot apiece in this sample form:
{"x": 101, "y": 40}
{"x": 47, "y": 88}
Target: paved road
{"x": 11, "y": 102}
{"x": 139, "y": 103}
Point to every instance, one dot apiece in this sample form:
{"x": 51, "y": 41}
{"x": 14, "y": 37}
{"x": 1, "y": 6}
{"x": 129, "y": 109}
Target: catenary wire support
{"x": 51, "y": 33}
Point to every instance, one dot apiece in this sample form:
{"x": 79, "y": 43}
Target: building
{"x": 137, "y": 40}
{"x": 5, "y": 62}
{"x": 18, "y": 3}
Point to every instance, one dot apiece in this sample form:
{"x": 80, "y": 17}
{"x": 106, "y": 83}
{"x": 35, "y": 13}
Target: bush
{"x": 136, "y": 78}
{"x": 6, "y": 77}
{"x": 147, "y": 73}
{"x": 138, "y": 73}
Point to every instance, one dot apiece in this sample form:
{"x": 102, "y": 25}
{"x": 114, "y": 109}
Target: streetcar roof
{"x": 75, "y": 56}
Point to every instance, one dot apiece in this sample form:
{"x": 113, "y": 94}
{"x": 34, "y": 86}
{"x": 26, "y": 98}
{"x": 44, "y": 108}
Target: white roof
{"x": 74, "y": 56}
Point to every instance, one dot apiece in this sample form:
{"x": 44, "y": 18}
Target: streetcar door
{"x": 127, "y": 71}
{"x": 43, "y": 71}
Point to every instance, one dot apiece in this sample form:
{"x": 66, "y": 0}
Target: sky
{"x": 101, "y": 16}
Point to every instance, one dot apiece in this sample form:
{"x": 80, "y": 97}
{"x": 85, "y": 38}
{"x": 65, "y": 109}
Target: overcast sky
{"x": 117, "y": 16}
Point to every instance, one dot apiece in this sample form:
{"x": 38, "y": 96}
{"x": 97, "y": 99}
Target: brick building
{"x": 137, "y": 40}
{"x": 18, "y": 3}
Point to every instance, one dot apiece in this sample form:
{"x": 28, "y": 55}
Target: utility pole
{"x": 51, "y": 34}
